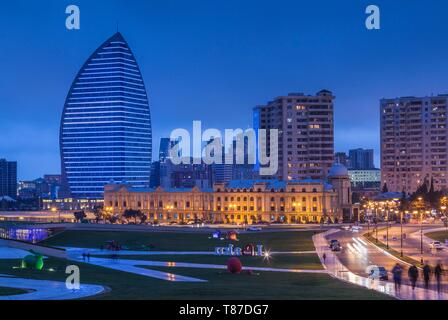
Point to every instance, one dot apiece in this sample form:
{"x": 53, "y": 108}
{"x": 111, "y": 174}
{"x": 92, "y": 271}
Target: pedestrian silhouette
{"x": 324, "y": 257}
{"x": 413, "y": 275}
{"x": 397, "y": 272}
{"x": 438, "y": 272}
{"x": 426, "y": 274}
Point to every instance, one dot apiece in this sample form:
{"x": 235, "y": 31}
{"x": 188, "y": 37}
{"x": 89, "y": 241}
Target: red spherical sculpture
{"x": 234, "y": 265}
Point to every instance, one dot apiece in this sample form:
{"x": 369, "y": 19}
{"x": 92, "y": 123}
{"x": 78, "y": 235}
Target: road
{"x": 358, "y": 254}
{"x": 412, "y": 244}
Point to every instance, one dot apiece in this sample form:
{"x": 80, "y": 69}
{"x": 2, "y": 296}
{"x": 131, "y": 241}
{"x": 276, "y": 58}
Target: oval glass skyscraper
{"x": 105, "y": 130}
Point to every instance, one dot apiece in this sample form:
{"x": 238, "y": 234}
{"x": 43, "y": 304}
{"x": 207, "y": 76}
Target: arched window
{"x": 293, "y": 190}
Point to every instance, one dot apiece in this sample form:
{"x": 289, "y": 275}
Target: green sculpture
{"x": 33, "y": 261}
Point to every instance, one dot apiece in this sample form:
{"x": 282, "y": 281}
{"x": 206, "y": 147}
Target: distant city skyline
{"x": 215, "y": 62}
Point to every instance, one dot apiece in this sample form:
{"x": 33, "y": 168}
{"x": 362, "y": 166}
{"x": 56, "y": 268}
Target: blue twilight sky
{"x": 214, "y": 60}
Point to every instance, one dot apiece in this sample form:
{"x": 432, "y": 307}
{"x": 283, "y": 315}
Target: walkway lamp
{"x": 443, "y": 210}
{"x": 387, "y": 226}
{"x": 401, "y": 233}
{"x": 420, "y": 199}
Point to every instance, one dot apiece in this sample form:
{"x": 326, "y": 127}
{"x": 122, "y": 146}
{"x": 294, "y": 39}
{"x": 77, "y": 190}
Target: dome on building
{"x": 338, "y": 170}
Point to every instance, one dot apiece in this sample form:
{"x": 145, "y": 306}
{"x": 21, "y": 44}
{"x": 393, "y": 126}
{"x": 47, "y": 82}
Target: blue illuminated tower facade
{"x": 105, "y": 133}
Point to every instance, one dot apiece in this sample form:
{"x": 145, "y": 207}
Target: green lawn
{"x": 439, "y": 235}
{"x": 177, "y": 241}
{"x": 4, "y": 291}
{"x": 220, "y": 285}
{"x": 285, "y": 261}
{"x": 263, "y": 285}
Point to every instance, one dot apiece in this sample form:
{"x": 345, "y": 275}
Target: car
{"x": 437, "y": 245}
{"x": 346, "y": 227}
{"x": 335, "y": 245}
{"x": 254, "y": 229}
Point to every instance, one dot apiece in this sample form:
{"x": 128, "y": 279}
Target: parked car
{"x": 254, "y": 229}
{"x": 437, "y": 245}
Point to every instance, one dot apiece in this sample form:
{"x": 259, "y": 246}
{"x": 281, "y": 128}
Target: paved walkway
{"x": 73, "y": 251}
{"x": 47, "y": 290}
{"x": 40, "y": 289}
{"x": 135, "y": 266}
{"x": 335, "y": 268}
{"x": 7, "y": 253}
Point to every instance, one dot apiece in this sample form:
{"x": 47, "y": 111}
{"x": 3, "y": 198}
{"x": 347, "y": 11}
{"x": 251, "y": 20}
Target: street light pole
{"x": 376, "y": 231}
{"x": 401, "y": 233}
{"x": 421, "y": 237}
{"x": 387, "y": 227}
{"x": 368, "y": 226}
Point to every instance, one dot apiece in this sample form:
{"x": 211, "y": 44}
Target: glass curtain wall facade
{"x": 105, "y": 133}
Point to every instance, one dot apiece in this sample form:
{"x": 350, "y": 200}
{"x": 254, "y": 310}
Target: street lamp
{"x": 443, "y": 209}
{"x": 387, "y": 225}
{"x": 368, "y": 219}
{"x": 420, "y": 199}
{"x": 401, "y": 233}
{"x": 59, "y": 213}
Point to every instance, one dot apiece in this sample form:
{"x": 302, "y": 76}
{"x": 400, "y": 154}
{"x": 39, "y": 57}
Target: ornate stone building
{"x": 247, "y": 201}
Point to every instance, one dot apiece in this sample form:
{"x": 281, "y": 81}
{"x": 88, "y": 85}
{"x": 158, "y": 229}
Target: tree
{"x": 112, "y": 219}
{"x": 98, "y": 212}
{"x": 385, "y": 188}
{"x": 132, "y": 214}
{"x": 80, "y": 215}
{"x": 431, "y": 188}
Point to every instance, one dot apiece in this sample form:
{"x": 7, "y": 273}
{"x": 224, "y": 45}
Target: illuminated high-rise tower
{"x": 105, "y": 132}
